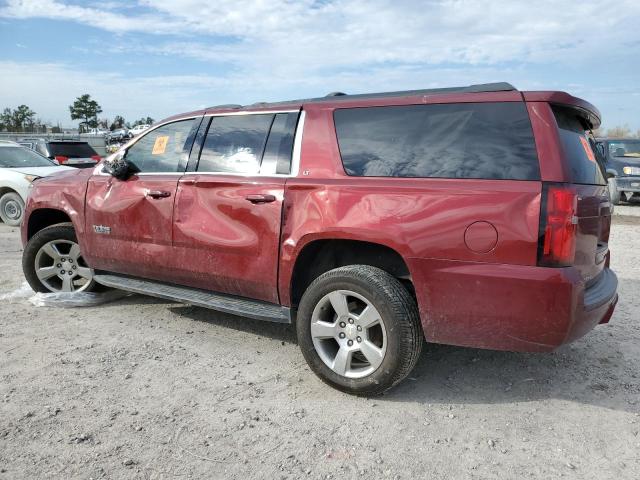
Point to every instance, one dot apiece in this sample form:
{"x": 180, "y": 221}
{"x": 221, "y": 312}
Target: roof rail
{"x": 225, "y": 105}
{"x": 335, "y": 96}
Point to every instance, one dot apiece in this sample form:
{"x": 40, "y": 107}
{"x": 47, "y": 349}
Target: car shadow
{"x": 594, "y": 370}
{"x": 275, "y": 331}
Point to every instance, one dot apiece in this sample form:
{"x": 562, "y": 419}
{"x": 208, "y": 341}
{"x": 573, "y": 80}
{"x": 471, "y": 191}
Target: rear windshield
{"x": 579, "y": 147}
{"x": 460, "y": 140}
{"x": 71, "y": 149}
{"x": 16, "y": 157}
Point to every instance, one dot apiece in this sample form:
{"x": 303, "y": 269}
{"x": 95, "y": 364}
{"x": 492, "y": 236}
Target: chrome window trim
{"x": 249, "y": 112}
{"x": 295, "y": 156}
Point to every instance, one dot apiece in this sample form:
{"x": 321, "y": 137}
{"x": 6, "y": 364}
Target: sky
{"x": 161, "y": 57}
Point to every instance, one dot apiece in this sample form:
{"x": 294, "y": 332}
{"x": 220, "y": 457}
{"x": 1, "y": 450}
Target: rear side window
{"x": 462, "y": 140}
{"x": 71, "y": 149}
{"x": 234, "y": 144}
{"x": 579, "y": 147}
{"x": 277, "y": 154}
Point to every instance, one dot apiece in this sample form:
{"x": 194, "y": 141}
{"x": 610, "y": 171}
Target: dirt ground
{"x": 143, "y": 388}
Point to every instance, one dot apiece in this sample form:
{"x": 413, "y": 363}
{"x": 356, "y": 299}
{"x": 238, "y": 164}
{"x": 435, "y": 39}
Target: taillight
{"x": 97, "y": 158}
{"x": 559, "y": 225}
{"x": 61, "y": 159}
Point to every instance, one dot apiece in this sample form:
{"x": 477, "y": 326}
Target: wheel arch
{"x": 321, "y": 255}
{"x": 46, "y": 217}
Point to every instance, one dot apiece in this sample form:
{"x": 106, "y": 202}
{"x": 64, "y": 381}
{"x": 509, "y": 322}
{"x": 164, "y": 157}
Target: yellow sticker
{"x": 160, "y": 145}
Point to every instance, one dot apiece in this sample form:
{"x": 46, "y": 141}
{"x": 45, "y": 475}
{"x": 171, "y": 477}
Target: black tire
{"x": 63, "y": 231}
{"x": 397, "y": 309}
{"x": 614, "y": 193}
{"x": 11, "y": 209}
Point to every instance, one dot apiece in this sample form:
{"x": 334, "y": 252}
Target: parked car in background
{"x": 473, "y": 216}
{"x": 19, "y": 167}
{"x": 138, "y": 129}
{"x": 119, "y": 135}
{"x": 72, "y": 153}
{"x": 97, "y": 131}
{"x": 622, "y": 164}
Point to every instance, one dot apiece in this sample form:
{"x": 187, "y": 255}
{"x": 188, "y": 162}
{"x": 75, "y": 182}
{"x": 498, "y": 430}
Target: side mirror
{"x": 117, "y": 166}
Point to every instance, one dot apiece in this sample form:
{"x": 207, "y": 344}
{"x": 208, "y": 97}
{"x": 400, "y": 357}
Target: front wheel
{"x": 359, "y": 329}
{"x": 11, "y": 209}
{"x": 614, "y": 193}
{"x": 52, "y": 262}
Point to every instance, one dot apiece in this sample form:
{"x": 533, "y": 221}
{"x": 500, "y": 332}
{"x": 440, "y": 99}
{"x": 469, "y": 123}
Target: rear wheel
{"x": 614, "y": 193}
{"x": 52, "y": 262}
{"x": 11, "y": 209}
{"x": 359, "y": 329}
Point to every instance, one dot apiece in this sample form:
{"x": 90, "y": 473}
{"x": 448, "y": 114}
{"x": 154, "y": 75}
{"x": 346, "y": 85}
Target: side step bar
{"x": 215, "y": 301}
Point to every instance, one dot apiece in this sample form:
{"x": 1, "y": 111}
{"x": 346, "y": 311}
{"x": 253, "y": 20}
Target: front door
{"x": 228, "y": 209}
{"x": 129, "y": 222}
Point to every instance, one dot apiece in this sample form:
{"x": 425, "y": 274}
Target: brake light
{"x": 61, "y": 159}
{"x": 97, "y": 158}
{"x": 559, "y": 222}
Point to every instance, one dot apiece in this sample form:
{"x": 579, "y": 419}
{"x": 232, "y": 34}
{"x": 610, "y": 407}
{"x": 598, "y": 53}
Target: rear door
{"x": 584, "y": 168}
{"x": 129, "y": 222}
{"x": 229, "y": 206}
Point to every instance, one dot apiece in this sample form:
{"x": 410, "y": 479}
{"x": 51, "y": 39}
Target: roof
{"x": 8, "y": 143}
{"x": 332, "y": 97}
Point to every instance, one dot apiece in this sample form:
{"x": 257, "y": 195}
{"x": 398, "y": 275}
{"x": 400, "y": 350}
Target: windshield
{"x": 624, "y": 149}
{"x": 16, "y": 157}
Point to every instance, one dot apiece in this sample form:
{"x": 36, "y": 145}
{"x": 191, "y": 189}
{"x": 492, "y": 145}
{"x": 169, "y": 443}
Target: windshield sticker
{"x": 160, "y": 145}
{"x": 587, "y": 149}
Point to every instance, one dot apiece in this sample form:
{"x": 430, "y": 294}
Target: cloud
{"x": 247, "y": 50}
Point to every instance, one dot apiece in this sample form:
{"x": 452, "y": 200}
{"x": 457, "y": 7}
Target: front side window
{"x": 462, "y": 140}
{"x": 164, "y": 149}
{"x": 235, "y": 144}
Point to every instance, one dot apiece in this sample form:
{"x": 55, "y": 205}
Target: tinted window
{"x": 71, "y": 149}
{"x": 15, "y": 157}
{"x": 235, "y": 143}
{"x": 277, "y": 154}
{"x": 162, "y": 149}
{"x": 464, "y": 140}
{"x": 579, "y": 147}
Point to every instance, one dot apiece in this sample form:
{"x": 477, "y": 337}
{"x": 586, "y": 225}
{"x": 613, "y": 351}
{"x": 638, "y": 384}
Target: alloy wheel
{"x": 348, "y": 333}
{"x": 60, "y": 267}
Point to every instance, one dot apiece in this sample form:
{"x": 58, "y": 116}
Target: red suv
{"x": 475, "y": 216}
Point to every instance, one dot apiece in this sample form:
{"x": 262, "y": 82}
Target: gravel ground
{"x": 143, "y": 388}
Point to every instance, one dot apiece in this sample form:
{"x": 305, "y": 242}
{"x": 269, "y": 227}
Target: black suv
{"x": 66, "y": 152}
{"x": 622, "y": 162}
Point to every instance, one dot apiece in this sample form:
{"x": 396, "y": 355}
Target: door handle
{"x": 158, "y": 193}
{"x": 261, "y": 198}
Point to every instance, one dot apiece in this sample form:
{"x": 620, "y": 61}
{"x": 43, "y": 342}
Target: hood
{"x": 42, "y": 171}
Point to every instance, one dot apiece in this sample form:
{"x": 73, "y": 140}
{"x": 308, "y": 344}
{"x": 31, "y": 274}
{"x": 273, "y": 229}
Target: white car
{"x": 138, "y": 129}
{"x": 19, "y": 166}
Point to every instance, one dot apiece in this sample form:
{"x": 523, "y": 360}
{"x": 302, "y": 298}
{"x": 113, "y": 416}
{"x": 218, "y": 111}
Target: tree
{"x": 6, "y": 119}
{"x": 143, "y": 121}
{"x": 619, "y": 132}
{"x": 118, "y": 122}
{"x": 87, "y": 110}
{"x": 19, "y": 119}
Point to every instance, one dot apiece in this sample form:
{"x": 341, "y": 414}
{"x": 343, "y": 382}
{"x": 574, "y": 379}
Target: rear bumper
{"x": 509, "y": 307}
{"x": 628, "y": 184}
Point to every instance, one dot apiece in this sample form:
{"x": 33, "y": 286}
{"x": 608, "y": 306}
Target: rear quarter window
{"x": 584, "y": 160}
{"x": 462, "y": 140}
